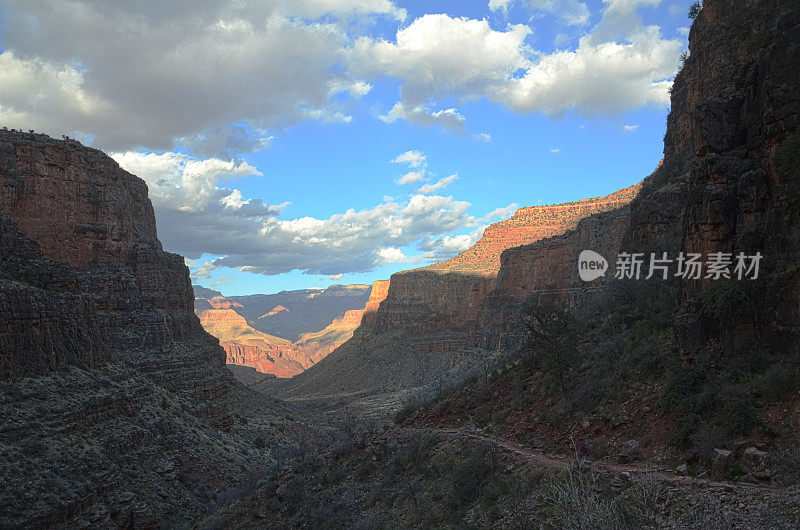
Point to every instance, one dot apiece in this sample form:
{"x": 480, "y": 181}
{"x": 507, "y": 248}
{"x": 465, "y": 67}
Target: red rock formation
{"x": 430, "y": 315}
{"x": 526, "y": 226}
{"x": 247, "y": 346}
{"x": 275, "y": 310}
{"x": 113, "y": 398}
{"x": 221, "y": 302}
{"x": 446, "y": 297}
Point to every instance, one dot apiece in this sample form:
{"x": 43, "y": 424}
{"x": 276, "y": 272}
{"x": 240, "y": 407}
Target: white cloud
{"x": 199, "y": 271}
{"x": 604, "y": 77}
{"x": 411, "y": 176}
{"x": 437, "y": 55}
{"x": 413, "y": 158}
{"x": 629, "y": 128}
{"x": 495, "y": 5}
{"x": 198, "y": 214}
{"x": 620, "y": 64}
{"x": 445, "y": 247}
{"x": 572, "y": 12}
{"x": 484, "y": 137}
{"x": 449, "y": 119}
{"x": 440, "y": 184}
{"x": 335, "y": 276}
{"x": 390, "y": 255}
{"x": 500, "y": 213}
{"x": 135, "y": 75}
{"x": 555, "y": 150}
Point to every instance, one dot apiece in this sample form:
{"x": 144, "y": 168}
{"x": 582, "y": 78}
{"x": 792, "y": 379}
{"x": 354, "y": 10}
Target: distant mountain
{"x": 316, "y": 321}
{"x": 290, "y": 314}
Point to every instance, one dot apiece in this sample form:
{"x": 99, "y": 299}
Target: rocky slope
{"x": 117, "y": 407}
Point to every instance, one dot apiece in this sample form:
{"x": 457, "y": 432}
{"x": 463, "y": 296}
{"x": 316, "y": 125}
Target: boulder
{"x": 721, "y": 463}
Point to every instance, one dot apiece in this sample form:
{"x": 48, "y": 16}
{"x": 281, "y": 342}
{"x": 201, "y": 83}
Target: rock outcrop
{"x": 115, "y": 402}
{"x": 729, "y": 181}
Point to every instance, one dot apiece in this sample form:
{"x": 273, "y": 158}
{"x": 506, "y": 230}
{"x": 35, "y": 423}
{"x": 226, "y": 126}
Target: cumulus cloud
{"x": 629, "y": 128}
{"x": 199, "y": 212}
{"x": 390, "y": 255}
{"x": 438, "y": 185}
{"x": 484, "y": 137}
{"x": 436, "y": 55}
{"x": 620, "y": 64}
{"x": 153, "y": 72}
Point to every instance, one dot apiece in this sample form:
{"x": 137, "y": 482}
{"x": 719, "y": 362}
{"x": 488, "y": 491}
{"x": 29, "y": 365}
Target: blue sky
{"x": 271, "y": 164}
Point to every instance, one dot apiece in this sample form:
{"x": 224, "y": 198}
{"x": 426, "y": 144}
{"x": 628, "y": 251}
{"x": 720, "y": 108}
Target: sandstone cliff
{"x": 729, "y": 181}
{"x": 432, "y": 315}
{"x": 115, "y": 402}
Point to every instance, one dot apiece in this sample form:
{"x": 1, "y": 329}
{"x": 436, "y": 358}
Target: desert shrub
{"x": 552, "y": 346}
{"x": 786, "y": 461}
{"x": 778, "y": 380}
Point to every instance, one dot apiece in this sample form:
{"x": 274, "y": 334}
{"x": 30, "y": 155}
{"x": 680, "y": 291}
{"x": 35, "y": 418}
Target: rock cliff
{"x": 729, "y": 181}
{"x": 116, "y": 404}
{"x": 431, "y": 315}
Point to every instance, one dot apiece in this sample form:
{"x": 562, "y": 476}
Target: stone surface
{"x": 756, "y": 463}
{"x": 720, "y": 464}
{"x": 629, "y": 451}
{"x": 115, "y": 404}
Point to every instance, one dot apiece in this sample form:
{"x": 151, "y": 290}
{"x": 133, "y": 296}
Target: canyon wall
{"x": 97, "y": 285}
{"x": 729, "y": 182}
{"x": 432, "y": 315}
{"x": 116, "y": 405}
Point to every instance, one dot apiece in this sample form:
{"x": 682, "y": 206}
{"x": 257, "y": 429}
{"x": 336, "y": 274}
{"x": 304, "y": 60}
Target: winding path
{"x": 630, "y": 472}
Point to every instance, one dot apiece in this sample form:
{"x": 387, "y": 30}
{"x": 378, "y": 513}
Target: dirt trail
{"x": 631, "y": 472}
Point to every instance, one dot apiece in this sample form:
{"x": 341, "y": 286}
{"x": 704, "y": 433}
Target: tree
{"x": 694, "y": 10}
{"x": 552, "y": 345}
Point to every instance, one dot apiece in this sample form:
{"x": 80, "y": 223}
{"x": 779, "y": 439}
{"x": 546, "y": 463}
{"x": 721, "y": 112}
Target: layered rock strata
{"x": 116, "y": 405}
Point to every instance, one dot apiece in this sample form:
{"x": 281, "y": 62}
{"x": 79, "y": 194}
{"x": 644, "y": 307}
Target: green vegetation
{"x": 414, "y": 479}
{"x": 694, "y": 10}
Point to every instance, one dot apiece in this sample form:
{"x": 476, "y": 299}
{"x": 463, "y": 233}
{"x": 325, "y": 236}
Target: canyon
{"x": 727, "y": 183}
{"x": 118, "y": 409}
{"x": 432, "y": 318}
{"x": 245, "y": 345}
